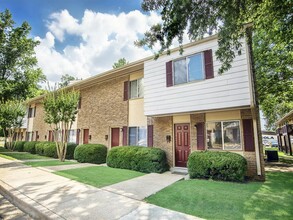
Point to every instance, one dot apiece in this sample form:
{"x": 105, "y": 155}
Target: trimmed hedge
{"x": 143, "y": 159}
{"x": 19, "y": 145}
{"x": 47, "y": 149}
{"x": 91, "y": 153}
{"x": 217, "y": 165}
{"x": 30, "y": 147}
{"x": 70, "y": 150}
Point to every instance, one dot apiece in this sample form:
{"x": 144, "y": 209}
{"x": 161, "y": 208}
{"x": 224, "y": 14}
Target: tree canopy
{"x": 19, "y": 74}
{"x": 66, "y": 79}
{"x": 272, "y": 39}
{"x": 121, "y": 62}
{"x": 60, "y": 112}
{"x": 11, "y": 118}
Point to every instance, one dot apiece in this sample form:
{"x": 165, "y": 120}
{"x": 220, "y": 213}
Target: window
{"x": 224, "y": 135}
{"x": 71, "y": 136}
{"x": 32, "y": 112}
{"x": 189, "y": 69}
{"x": 136, "y": 89}
{"x": 137, "y": 136}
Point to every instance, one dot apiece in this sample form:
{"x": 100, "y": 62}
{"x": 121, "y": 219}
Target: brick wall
{"x": 194, "y": 119}
{"x": 163, "y": 126}
{"x": 102, "y": 107}
{"x": 39, "y": 123}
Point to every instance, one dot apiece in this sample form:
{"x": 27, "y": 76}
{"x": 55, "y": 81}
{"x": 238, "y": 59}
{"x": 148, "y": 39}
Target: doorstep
{"x": 179, "y": 170}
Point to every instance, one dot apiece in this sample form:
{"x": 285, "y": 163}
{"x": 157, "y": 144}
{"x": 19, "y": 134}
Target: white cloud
{"x": 104, "y": 38}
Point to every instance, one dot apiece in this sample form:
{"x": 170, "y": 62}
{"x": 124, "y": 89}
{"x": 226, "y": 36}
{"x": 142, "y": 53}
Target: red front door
{"x": 115, "y": 137}
{"x": 85, "y": 136}
{"x": 182, "y": 144}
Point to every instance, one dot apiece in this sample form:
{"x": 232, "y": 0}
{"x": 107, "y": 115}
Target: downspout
{"x": 255, "y": 103}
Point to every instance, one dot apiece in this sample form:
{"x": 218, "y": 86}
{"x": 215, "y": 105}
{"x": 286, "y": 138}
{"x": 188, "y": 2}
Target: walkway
{"x": 48, "y": 195}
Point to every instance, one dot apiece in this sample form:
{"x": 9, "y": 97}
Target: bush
{"x": 19, "y": 146}
{"x": 217, "y": 165}
{"x": 91, "y": 153}
{"x": 30, "y": 147}
{"x": 143, "y": 159}
{"x": 50, "y": 150}
{"x": 70, "y": 150}
{"x": 40, "y": 148}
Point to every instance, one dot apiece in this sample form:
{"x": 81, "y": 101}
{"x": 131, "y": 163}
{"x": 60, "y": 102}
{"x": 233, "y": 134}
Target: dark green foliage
{"x": 90, "y": 153}
{"x": 20, "y": 74}
{"x": 19, "y": 146}
{"x": 30, "y": 147}
{"x": 46, "y": 149}
{"x": 217, "y": 165}
{"x": 70, "y": 150}
{"x": 143, "y": 159}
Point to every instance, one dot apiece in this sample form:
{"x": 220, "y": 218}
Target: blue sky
{"x": 37, "y": 12}
{"x": 82, "y": 38}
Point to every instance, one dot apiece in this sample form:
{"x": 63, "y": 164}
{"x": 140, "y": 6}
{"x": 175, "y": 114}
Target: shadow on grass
{"x": 273, "y": 200}
{"x": 225, "y": 200}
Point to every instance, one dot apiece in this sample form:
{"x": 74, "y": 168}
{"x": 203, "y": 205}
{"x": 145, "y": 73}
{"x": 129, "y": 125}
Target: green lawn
{"x": 22, "y": 156}
{"x": 99, "y": 176}
{"x": 2, "y": 149}
{"x": 48, "y": 163}
{"x": 207, "y": 199}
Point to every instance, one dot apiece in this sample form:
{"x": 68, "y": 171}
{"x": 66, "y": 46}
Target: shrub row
{"x": 19, "y": 146}
{"x": 44, "y": 148}
{"x": 137, "y": 158}
{"x": 91, "y": 153}
{"x": 217, "y": 165}
{"x": 30, "y": 147}
{"x": 47, "y": 149}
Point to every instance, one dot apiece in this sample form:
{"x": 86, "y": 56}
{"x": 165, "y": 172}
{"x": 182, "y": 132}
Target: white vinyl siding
{"x": 231, "y": 89}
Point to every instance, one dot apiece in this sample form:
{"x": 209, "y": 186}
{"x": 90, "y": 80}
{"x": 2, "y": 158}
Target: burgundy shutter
{"x": 208, "y": 61}
{"x": 248, "y": 135}
{"x": 35, "y": 111}
{"x": 150, "y": 135}
{"x": 200, "y": 136}
{"x": 126, "y": 88}
{"x": 37, "y": 134}
{"x": 169, "y": 74}
{"x": 125, "y": 136}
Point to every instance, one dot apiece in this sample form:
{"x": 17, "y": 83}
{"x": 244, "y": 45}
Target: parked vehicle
{"x": 274, "y": 143}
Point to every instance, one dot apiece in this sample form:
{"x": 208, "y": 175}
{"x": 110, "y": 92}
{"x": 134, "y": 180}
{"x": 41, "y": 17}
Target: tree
{"x": 272, "y": 38}
{"x": 66, "y": 79}
{"x": 60, "y": 112}
{"x": 19, "y": 75}
{"x": 11, "y": 119}
{"x": 121, "y": 62}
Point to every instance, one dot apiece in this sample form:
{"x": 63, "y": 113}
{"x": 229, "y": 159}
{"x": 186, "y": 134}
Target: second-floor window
{"x": 136, "y": 89}
{"x": 189, "y": 69}
{"x": 31, "y": 112}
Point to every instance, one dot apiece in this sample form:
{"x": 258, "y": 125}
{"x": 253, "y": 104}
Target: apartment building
{"x": 179, "y": 103}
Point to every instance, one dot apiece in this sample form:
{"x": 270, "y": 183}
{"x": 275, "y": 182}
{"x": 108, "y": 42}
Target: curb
{"x": 26, "y": 204}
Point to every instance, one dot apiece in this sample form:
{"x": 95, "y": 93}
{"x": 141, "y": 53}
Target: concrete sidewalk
{"x": 49, "y": 196}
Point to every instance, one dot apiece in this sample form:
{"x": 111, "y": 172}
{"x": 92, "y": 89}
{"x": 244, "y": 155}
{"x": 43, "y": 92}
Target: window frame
{"x": 137, "y": 89}
{"x": 137, "y": 135}
{"x": 223, "y": 139}
{"x": 186, "y": 67}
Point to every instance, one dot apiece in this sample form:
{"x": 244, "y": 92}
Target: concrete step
{"x": 179, "y": 170}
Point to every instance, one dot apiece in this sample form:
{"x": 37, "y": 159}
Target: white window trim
{"x": 240, "y": 130}
{"x": 137, "y": 134}
{"x": 186, "y": 67}
{"x": 137, "y": 89}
